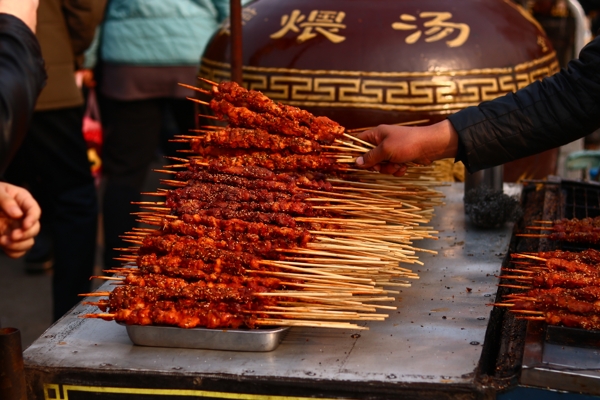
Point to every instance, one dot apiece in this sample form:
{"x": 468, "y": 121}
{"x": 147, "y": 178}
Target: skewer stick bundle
{"x": 562, "y": 287}
{"x": 266, "y": 221}
{"x": 574, "y": 230}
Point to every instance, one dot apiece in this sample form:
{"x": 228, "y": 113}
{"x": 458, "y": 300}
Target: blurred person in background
{"x": 592, "y": 11}
{"x": 22, "y": 77}
{"x": 52, "y": 161}
{"x": 146, "y": 47}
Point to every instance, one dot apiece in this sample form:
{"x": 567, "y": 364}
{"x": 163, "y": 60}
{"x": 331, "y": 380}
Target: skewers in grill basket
{"x": 585, "y": 230}
{"x": 266, "y": 223}
{"x": 559, "y": 287}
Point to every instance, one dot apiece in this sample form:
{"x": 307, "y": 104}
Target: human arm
{"x": 19, "y": 220}
{"x": 25, "y": 10}
{"x": 543, "y": 115}
{"x": 22, "y": 76}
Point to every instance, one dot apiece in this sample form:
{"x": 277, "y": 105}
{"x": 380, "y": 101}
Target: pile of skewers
{"x": 559, "y": 287}
{"x": 266, "y": 223}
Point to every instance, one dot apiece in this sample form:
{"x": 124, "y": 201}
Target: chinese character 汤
{"x": 437, "y": 28}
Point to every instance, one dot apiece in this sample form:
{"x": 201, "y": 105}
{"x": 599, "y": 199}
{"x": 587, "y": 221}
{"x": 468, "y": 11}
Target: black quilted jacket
{"x": 544, "y": 115}
{"x": 22, "y": 77}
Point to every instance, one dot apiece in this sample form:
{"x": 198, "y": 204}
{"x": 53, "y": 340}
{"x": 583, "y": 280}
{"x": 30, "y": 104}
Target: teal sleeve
{"x": 90, "y": 56}
{"x": 222, "y": 7}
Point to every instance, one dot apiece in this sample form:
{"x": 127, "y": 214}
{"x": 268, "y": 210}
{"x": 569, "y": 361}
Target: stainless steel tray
{"x": 264, "y": 339}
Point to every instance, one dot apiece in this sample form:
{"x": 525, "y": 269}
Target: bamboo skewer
{"x": 514, "y": 286}
{"x": 532, "y": 235}
{"x": 528, "y": 312}
{"x": 353, "y": 138}
{"x": 285, "y": 322}
{"x": 197, "y": 89}
{"x": 517, "y": 277}
{"x": 520, "y": 255}
{"x": 516, "y": 270}
{"x": 420, "y": 121}
{"x": 209, "y": 117}
{"x": 208, "y": 81}
{"x": 532, "y": 318}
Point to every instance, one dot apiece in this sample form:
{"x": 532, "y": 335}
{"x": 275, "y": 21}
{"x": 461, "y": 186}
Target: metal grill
{"x": 558, "y": 357}
{"x": 582, "y": 200}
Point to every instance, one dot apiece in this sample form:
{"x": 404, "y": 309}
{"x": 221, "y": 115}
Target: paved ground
{"x": 26, "y": 299}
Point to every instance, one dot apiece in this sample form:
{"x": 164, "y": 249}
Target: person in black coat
{"x": 22, "y": 77}
{"x": 22, "y": 74}
{"x": 52, "y": 162}
{"x": 546, "y": 114}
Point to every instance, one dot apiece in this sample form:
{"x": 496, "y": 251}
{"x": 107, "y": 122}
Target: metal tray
{"x": 263, "y": 339}
{"x": 575, "y": 337}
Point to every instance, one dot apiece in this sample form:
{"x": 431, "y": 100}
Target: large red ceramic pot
{"x": 369, "y": 62}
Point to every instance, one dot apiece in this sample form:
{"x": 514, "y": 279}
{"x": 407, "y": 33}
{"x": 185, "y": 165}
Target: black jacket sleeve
{"x": 22, "y": 77}
{"x": 546, "y": 114}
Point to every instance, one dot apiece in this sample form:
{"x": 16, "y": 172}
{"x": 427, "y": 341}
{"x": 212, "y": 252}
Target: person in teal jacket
{"x": 146, "y": 48}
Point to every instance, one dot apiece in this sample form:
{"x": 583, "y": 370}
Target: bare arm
{"x": 25, "y": 10}
{"x": 543, "y": 115}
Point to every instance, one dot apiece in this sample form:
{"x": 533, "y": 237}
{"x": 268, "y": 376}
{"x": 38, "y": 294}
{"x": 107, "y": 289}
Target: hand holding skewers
{"x": 398, "y": 145}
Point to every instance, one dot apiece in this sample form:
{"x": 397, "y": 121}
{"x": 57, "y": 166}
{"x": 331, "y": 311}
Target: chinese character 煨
{"x": 327, "y": 23}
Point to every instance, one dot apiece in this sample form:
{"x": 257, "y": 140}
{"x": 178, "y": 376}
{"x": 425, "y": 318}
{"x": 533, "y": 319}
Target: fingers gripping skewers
{"x": 266, "y": 223}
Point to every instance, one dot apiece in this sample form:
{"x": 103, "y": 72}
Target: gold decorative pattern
{"x": 547, "y": 59}
{"x": 61, "y": 392}
{"x": 393, "y": 91}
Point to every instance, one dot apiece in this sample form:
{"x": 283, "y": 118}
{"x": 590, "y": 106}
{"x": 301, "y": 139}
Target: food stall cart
{"x": 443, "y": 341}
